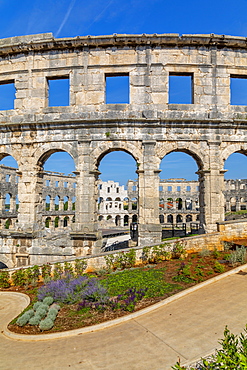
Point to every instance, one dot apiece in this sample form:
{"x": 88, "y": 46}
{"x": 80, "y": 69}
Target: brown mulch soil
{"x": 70, "y": 318}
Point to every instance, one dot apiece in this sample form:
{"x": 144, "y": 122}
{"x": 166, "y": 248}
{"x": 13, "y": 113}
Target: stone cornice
{"x": 46, "y": 42}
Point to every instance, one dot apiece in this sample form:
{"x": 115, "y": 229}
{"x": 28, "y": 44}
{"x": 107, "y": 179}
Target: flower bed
{"x": 88, "y": 299}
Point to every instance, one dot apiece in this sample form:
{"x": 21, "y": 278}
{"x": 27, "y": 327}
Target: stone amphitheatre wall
{"x": 148, "y": 127}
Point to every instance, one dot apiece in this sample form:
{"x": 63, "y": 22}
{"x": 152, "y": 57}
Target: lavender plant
{"x": 66, "y": 290}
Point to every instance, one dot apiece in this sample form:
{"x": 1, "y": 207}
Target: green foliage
{"x": 32, "y": 275}
{"x": 219, "y": 267}
{"x": 216, "y": 253}
{"x": 159, "y": 253}
{"x": 4, "y": 279}
{"x": 178, "y": 250}
{"x": 57, "y": 271}
{"x": 41, "y": 312}
{"x": 152, "y": 279}
{"x": 48, "y": 301}
{"x": 121, "y": 260}
{"x": 35, "y": 320}
{"x": 46, "y": 324}
{"x": 238, "y": 256}
{"x": 68, "y": 268}
{"x": 184, "y": 273}
{"x": 232, "y": 355}
{"x": 23, "y": 319}
{"x": 204, "y": 252}
{"x": 19, "y": 277}
{"x": 145, "y": 254}
{"x": 46, "y": 271}
{"x": 52, "y": 313}
{"x": 80, "y": 266}
{"x": 36, "y": 305}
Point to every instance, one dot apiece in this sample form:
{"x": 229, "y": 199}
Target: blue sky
{"x": 69, "y": 18}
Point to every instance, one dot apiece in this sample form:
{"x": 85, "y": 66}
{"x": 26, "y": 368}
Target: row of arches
{"x": 67, "y": 204}
{"x": 171, "y": 219}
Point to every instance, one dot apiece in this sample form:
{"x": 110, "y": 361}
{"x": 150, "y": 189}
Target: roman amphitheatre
{"x": 148, "y": 127}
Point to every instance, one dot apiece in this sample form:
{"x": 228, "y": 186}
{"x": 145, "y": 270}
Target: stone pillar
{"x": 30, "y": 197}
{"x": 2, "y": 203}
{"x": 149, "y": 229}
{"x": 52, "y": 205}
{"x": 211, "y": 183}
{"x": 60, "y": 204}
{"x": 85, "y": 228}
{"x": 69, "y": 205}
{"x": 12, "y": 204}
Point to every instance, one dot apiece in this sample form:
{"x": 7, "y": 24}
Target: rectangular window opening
{"x": 58, "y": 91}
{"x": 238, "y": 88}
{"x": 7, "y": 95}
{"x": 117, "y": 89}
{"x": 181, "y": 88}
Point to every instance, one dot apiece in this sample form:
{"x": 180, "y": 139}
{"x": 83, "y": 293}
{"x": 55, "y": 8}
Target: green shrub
{"x": 35, "y": 320}
{"x": 23, "y": 319}
{"x": 205, "y": 252}
{"x": 57, "y": 271}
{"x": 218, "y": 267}
{"x": 68, "y": 268}
{"x": 232, "y": 355}
{"x": 37, "y": 305}
{"x": 46, "y": 271}
{"x": 46, "y": 324}
{"x": 48, "y": 301}
{"x": 80, "y": 266}
{"x": 31, "y": 274}
{"x": 238, "y": 256}
{"x": 4, "y": 279}
{"x": 18, "y": 277}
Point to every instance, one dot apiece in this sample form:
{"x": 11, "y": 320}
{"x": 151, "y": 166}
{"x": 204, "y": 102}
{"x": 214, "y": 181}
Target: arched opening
{"x": 170, "y": 219}
{"x": 117, "y": 168}
{"x": 65, "y": 203}
{"x": 9, "y": 178}
{"x": 57, "y": 201}
{"x": 179, "y": 184}
{"x": 65, "y": 221}
{"x": 162, "y": 219}
{"x": 134, "y": 218}
{"x": 134, "y": 203}
{"x": 56, "y": 222}
{"x": 179, "y": 203}
{"x": 162, "y": 204}
{"x": 59, "y": 186}
{"x": 47, "y": 222}
{"x": 117, "y": 220}
{"x": 188, "y": 218}
{"x": 169, "y": 203}
{"x": 8, "y": 223}
{"x": 126, "y": 204}
{"x": 126, "y": 220}
{"x": 7, "y": 202}
{"x": 235, "y": 186}
{"x": 48, "y": 203}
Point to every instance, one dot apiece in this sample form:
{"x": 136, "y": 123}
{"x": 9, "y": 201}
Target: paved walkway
{"x": 187, "y": 328}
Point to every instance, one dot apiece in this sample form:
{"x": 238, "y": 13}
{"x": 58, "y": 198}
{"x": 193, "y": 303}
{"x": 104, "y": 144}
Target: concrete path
{"x": 187, "y": 328}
